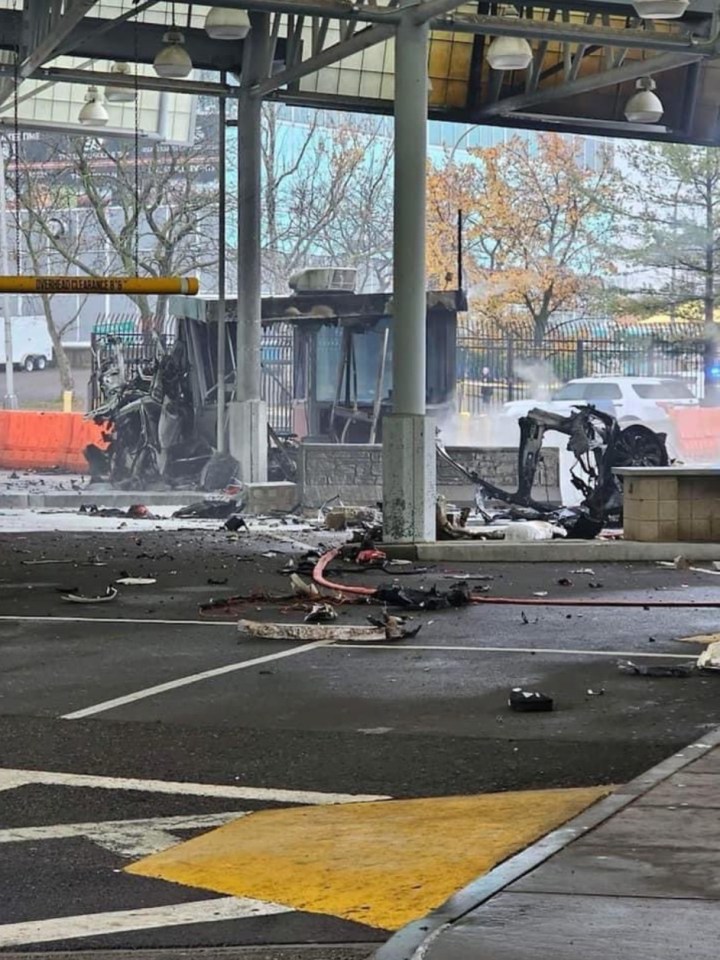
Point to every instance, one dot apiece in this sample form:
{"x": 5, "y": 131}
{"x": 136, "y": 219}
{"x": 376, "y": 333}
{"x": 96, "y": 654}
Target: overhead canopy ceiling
{"x": 339, "y": 54}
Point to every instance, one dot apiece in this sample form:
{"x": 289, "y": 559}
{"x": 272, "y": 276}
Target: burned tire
{"x": 639, "y": 446}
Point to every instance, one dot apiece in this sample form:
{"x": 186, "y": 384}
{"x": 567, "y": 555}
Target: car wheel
{"x": 40, "y": 363}
{"x": 29, "y": 364}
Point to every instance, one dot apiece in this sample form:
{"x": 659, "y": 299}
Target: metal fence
{"x": 493, "y": 370}
{"x": 276, "y": 356}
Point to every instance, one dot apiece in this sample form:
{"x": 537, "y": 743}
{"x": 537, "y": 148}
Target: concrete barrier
{"x": 354, "y": 472}
{"x": 37, "y": 440}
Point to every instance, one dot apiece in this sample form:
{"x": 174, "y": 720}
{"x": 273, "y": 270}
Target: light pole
{"x": 10, "y": 400}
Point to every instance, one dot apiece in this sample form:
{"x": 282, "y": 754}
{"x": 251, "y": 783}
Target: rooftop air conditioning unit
{"x": 315, "y": 279}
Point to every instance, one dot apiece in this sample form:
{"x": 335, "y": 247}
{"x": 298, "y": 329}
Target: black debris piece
{"x": 215, "y": 508}
{"x": 529, "y": 701}
{"x": 414, "y": 598}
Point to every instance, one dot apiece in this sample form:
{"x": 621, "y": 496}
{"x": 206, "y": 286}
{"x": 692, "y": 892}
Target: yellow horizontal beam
{"x": 129, "y": 285}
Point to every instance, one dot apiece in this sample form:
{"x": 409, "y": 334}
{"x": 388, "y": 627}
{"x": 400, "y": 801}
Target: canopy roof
{"x": 339, "y": 54}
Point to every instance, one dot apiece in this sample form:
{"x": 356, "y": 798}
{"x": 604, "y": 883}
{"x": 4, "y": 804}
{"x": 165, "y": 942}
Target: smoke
{"x": 539, "y": 376}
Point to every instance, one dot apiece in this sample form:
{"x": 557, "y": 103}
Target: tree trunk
{"x": 67, "y": 381}
{"x": 712, "y": 388}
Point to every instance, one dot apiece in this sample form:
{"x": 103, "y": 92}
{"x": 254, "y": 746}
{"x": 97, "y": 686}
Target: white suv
{"x": 630, "y": 399}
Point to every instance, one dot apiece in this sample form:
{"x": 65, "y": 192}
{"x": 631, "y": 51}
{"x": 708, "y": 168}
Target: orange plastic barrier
{"x": 42, "y": 441}
{"x": 697, "y": 432}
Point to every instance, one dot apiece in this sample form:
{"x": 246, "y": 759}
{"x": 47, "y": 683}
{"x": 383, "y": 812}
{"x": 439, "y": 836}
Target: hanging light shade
{"x": 173, "y": 61}
{"x": 221, "y": 23}
{"x": 509, "y": 53}
{"x": 660, "y": 9}
{"x": 644, "y": 106}
{"x": 93, "y": 111}
{"x": 115, "y": 94}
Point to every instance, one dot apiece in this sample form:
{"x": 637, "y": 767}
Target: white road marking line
{"x": 186, "y": 681}
{"x": 172, "y": 623}
{"x": 305, "y": 797}
{"x": 131, "y": 839}
{"x": 628, "y": 654}
{"x": 148, "y": 918}
{"x": 10, "y": 779}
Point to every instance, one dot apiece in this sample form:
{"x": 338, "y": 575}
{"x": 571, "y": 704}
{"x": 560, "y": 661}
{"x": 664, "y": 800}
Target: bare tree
{"x": 152, "y": 212}
{"x": 327, "y": 196}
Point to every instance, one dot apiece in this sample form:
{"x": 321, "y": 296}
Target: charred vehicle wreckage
{"x": 599, "y": 445}
{"x": 151, "y": 423}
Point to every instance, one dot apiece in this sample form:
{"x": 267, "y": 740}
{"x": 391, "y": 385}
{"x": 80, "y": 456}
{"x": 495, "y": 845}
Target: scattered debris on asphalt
{"x": 529, "y": 701}
{"x": 109, "y": 594}
{"x": 395, "y": 627}
{"x": 136, "y": 581}
{"x": 709, "y": 659}
{"x": 235, "y": 523}
{"x": 301, "y": 588}
{"x": 596, "y": 693}
{"x": 587, "y": 571}
{"x": 312, "y": 631}
{"x": 341, "y": 517}
{"x": 217, "y": 581}
{"x": 595, "y": 585}
{"x": 565, "y": 582}
{"x": 540, "y": 593}
{"x": 657, "y": 670}
{"x": 321, "y": 613}
{"x": 533, "y": 530}
{"x": 136, "y": 511}
{"x": 214, "y": 508}
{"x": 38, "y": 563}
{"x": 419, "y": 598}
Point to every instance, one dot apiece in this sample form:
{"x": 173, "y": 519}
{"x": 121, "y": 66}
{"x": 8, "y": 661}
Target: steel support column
{"x": 408, "y": 435}
{"x": 248, "y": 416}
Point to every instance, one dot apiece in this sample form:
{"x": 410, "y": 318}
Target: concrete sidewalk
{"x": 633, "y": 876}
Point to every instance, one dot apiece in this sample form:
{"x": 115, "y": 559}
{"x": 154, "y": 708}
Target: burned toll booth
{"x": 326, "y": 359}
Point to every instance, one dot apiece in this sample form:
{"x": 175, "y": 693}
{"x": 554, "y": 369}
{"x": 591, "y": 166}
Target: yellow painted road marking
{"x": 382, "y": 864}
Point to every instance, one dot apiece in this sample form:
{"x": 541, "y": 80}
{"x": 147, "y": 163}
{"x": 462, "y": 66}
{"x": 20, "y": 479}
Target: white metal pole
{"x": 10, "y": 400}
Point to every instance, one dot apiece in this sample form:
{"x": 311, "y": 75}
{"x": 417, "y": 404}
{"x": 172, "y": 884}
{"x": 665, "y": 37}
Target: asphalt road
{"x": 42, "y": 389}
{"x": 421, "y": 719}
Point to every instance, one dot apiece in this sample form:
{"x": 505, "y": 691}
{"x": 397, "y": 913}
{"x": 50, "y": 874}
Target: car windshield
{"x": 571, "y": 391}
{"x": 666, "y": 390}
{"x": 599, "y": 390}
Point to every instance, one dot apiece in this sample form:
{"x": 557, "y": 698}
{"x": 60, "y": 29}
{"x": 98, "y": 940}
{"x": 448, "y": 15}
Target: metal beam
{"x": 574, "y": 32}
{"x": 56, "y": 30}
{"x": 629, "y": 71}
{"x": 338, "y": 51}
{"x": 101, "y": 78}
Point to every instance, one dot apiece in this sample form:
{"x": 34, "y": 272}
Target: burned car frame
{"x": 599, "y": 445}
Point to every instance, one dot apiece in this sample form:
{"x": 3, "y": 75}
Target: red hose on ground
{"x": 327, "y": 558}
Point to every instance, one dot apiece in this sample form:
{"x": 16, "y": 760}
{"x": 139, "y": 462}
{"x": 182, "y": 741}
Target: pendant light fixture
{"x": 644, "y": 106}
{"x": 172, "y": 61}
{"x": 115, "y": 94}
{"x": 509, "y": 53}
{"x": 222, "y": 23}
{"x": 93, "y": 111}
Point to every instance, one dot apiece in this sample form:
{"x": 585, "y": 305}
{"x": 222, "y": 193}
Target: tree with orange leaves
{"x": 537, "y": 228}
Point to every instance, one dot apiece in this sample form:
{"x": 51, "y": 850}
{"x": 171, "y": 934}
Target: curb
{"x": 550, "y": 551}
{"x": 407, "y": 942}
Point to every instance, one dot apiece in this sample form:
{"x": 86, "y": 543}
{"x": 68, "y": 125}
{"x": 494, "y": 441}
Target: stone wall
{"x": 353, "y": 471}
